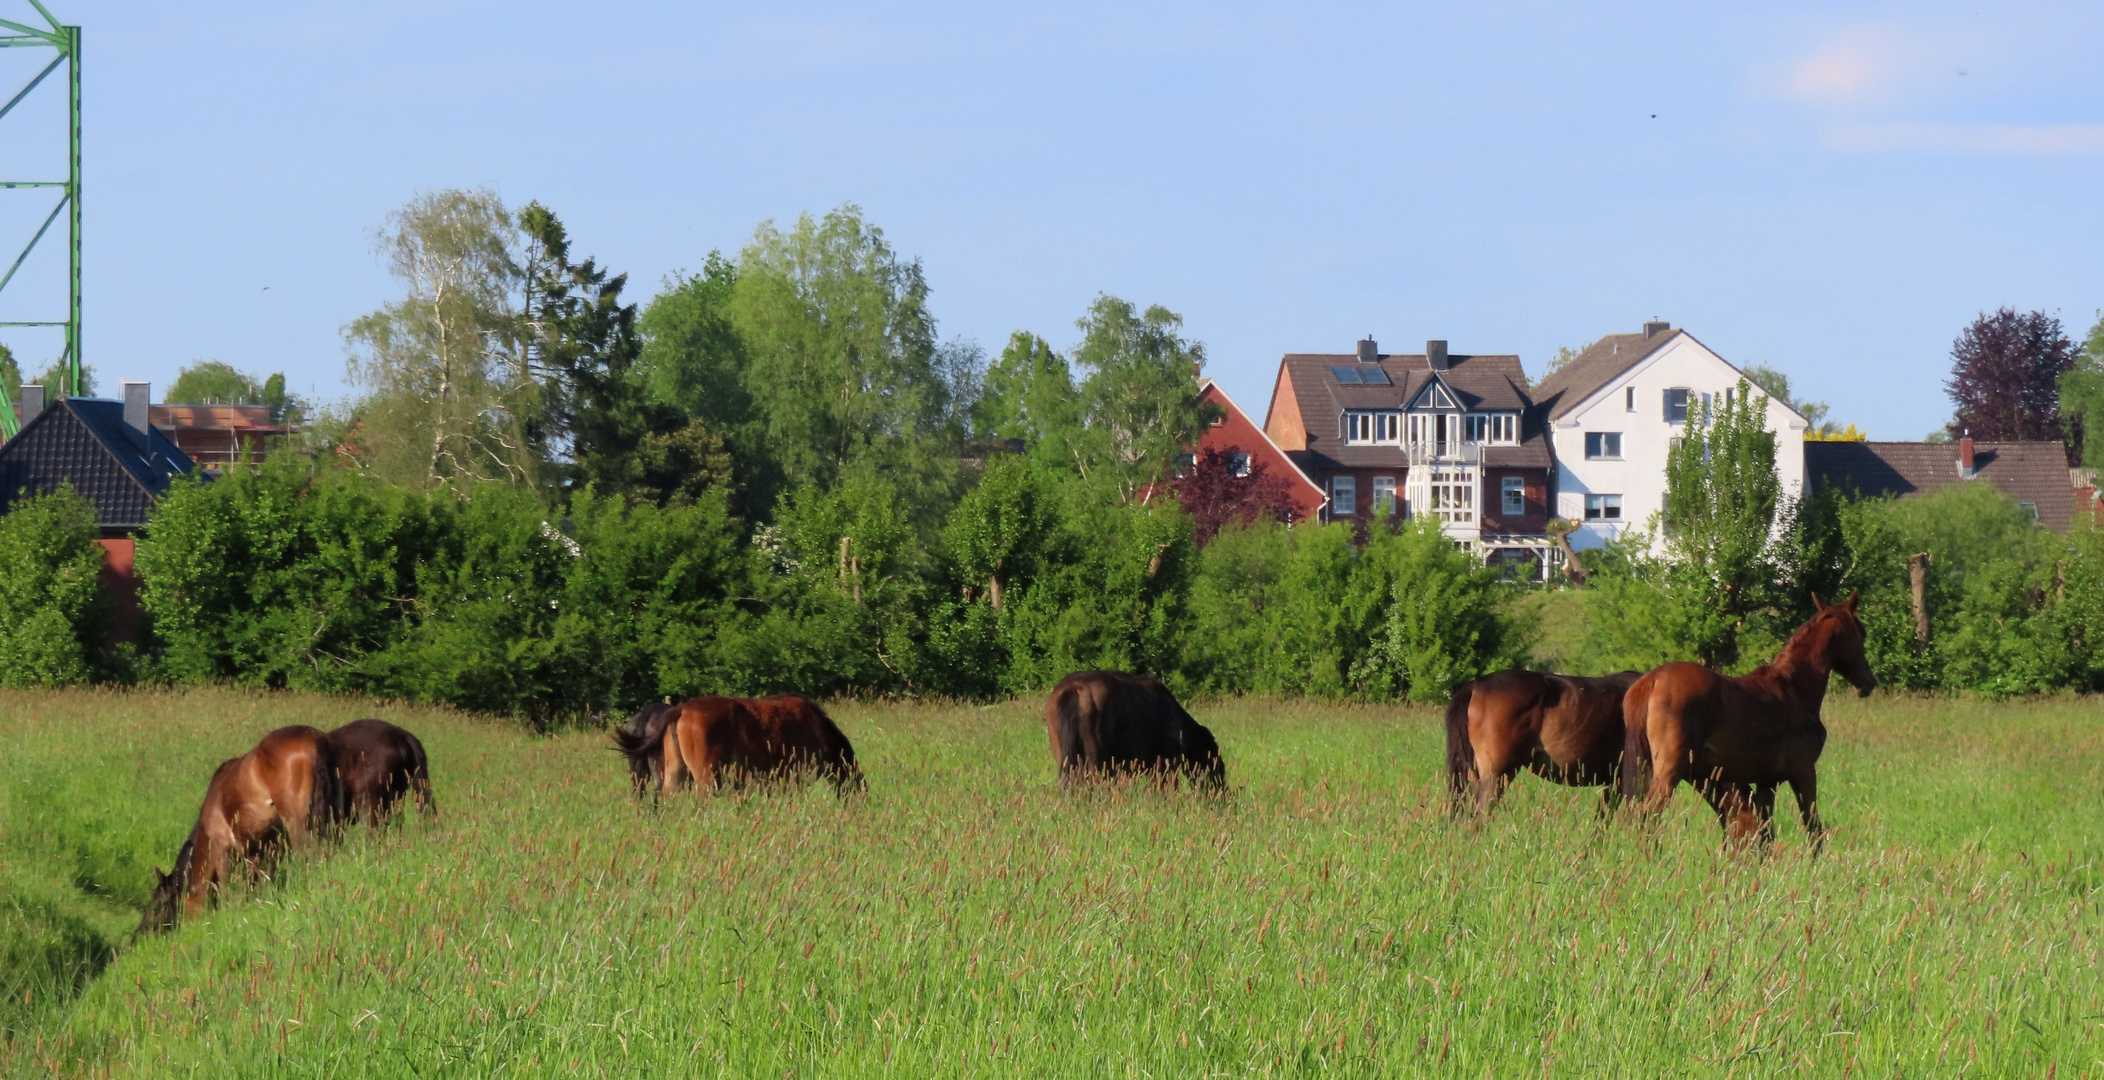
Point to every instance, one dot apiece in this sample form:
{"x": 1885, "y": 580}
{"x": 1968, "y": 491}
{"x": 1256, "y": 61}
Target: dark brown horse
{"x": 1564, "y": 728}
{"x": 1108, "y": 722}
{"x": 277, "y": 794}
{"x": 381, "y": 765}
{"x": 647, "y": 768}
{"x": 714, "y": 741}
{"x": 1736, "y": 739}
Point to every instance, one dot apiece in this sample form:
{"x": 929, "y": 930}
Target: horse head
{"x": 165, "y": 905}
{"x": 1843, "y": 642}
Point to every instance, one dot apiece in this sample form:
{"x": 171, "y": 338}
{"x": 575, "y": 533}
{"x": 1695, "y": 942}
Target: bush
{"x": 54, "y": 612}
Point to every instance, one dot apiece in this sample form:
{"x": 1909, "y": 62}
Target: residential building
{"x": 1452, "y": 436}
{"x": 1616, "y": 409}
{"x": 1235, "y": 434}
{"x": 2033, "y": 474}
{"x": 113, "y": 457}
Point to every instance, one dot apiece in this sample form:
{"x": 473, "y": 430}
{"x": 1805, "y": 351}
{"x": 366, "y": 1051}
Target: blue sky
{"x": 1832, "y": 189}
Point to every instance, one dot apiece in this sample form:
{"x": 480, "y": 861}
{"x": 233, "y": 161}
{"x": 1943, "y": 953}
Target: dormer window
{"x": 1434, "y": 397}
{"x": 1367, "y": 428}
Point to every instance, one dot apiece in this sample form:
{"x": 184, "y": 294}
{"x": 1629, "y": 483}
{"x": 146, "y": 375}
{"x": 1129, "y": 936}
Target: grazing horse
{"x": 1109, "y": 722}
{"x": 712, "y": 741}
{"x": 380, "y": 765}
{"x": 1564, "y": 728}
{"x": 279, "y": 793}
{"x": 1736, "y": 739}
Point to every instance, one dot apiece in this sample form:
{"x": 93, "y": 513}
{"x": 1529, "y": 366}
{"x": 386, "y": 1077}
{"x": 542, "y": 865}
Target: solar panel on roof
{"x": 1349, "y": 376}
{"x": 1373, "y": 376}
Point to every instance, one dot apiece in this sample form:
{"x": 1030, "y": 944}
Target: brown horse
{"x": 714, "y": 741}
{"x": 1564, "y": 728}
{"x": 1736, "y": 739}
{"x": 381, "y": 765}
{"x": 647, "y": 768}
{"x": 277, "y": 794}
{"x": 1109, "y": 722}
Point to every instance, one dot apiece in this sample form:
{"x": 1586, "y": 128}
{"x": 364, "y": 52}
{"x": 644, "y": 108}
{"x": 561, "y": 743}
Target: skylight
{"x": 1354, "y": 376}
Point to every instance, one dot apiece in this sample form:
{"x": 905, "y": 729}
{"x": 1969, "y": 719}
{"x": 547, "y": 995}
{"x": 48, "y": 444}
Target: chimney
{"x": 1656, "y": 327}
{"x": 1965, "y": 456}
{"x": 1369, "y": 352}
{"x": 32, "y": 402}
{"x": 1435, "y": 354}
{"x": 136, "y": 395}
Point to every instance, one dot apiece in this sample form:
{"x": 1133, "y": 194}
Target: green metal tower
{"x": 66, "y": 40}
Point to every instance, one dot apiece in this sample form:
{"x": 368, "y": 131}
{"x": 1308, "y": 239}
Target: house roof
{"x": 1207, "y": 385}
{"x": 1601, "y": 363}
{"x": 216, "y": 417}
{"x": 2030, "y": 472}
{"x": 1489, "y": 383}
{"x": 86, "y": 441}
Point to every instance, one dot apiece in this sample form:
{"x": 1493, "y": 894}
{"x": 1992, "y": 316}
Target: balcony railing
{"x": 1451, "y": 453}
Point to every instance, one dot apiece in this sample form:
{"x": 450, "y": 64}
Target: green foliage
{"x": 53, "y": 610}
{"x": 1140, "y": 397}
{"x": 213, "y": 382}
{"x": 1030, "y": 395}
{"x": 2082, "y": 399}
{"x": 842, "y": 352}
{"x": 451, "y": 400}
{"x": 2007, "y": 616}
{"x": 10, "y": 373}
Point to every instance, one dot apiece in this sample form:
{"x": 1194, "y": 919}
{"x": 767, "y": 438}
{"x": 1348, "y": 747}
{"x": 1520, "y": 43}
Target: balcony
{"x": 1453, "y": 452}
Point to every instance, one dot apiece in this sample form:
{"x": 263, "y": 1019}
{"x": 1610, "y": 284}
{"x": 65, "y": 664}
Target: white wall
{"x": 1640, "y": 476}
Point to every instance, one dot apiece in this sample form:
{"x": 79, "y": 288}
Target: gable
{"x": 1434, "y": 396}
{"x": 1682, "y": 362}
{"x": 73, "y": 440}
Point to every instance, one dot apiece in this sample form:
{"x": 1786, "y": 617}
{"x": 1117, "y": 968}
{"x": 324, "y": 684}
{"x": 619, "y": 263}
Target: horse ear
{"x": 1853, "y": 597}
{"x": 1817, "y": 604}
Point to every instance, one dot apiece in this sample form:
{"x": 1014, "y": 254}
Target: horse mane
{"x": 1802, "y": 644}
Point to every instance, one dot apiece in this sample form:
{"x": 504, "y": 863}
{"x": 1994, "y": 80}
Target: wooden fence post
{"x": 1918, "y": 577}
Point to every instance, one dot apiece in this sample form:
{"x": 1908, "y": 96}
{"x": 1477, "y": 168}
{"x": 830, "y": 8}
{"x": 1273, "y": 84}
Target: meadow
{"x": 965, "y": 917}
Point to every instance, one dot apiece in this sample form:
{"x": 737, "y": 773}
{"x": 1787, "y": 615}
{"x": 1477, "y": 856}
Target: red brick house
{"x": 1234, "y": 433}
{"x": 214, "y": 435}
{"x": 1388, "y": 436}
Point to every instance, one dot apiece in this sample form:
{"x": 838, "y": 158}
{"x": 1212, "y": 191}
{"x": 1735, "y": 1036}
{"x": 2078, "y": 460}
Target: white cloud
{"x": 2045, "y": 139}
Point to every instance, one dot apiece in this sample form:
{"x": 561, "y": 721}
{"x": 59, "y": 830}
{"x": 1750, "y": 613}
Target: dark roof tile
{"x": 86, "y": 441}
{"x": 2029, "y": 472}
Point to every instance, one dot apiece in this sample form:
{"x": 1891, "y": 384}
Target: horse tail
{"x": 636, "y": 745}
{"x": 1461, "y": 753}
{"x": 1636, "y": 739}
{"x": 1063, "y": 718}
{"x": 420, "y": 778}
{"x": 328, "y": 802}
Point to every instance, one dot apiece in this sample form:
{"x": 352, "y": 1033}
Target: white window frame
{"x": 1344, "y": 496}
{"x": 1514, "y": 489}
{"x": 1238, "y": 463}
{"x": 1451, "y": 493}
{"x": 1599, "y": 439}
{"x": 1598, "y": 507}
{"x": 1384, "y": 496}
{"x": 1367, "y": 427}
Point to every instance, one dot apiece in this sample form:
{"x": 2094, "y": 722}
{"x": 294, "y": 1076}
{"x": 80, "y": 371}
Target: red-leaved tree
{"x": 1214, "y": 496}
{"x": 2005, "y": 377}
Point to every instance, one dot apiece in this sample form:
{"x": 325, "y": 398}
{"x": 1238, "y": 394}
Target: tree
{"x": 2005, "y": 377}
{"x": 585, "y": 347}
{"x": 1140, "y": 398}
{"x": 1029, "y": 395}
{"x": 1215, "y": 495}
{"x": 2082, "y": 400}
{"x": 452, "y": 400}
{"x": 212, "y": 382}
{"x": 1722, "y": 496}
{"x": 1564, "y": 354}
{"x": 694, "y": 362}
{"x": 841, "y": 355}
{"x": 10, "y": 373}
{"x": 1819, "y": 428}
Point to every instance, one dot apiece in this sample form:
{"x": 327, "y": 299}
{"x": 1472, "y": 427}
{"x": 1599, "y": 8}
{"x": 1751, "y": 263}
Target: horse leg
{"x": 672, "y": 774}
{"x": 1806, "y": 788}
{"x": 1498, "y": 760}
{"x": 1735, "y": 811}
{"x": 1764, "y": 807}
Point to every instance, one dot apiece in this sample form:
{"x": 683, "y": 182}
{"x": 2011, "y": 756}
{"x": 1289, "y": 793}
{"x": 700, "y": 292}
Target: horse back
{"x": 1105, "y": 719}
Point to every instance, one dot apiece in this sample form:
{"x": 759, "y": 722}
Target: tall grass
{"x": 965, "y": 917}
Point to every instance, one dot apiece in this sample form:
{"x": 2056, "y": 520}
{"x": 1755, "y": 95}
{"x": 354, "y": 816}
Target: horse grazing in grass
{"x": 1736, "y": 739}
{"x": 277, "y": 794}
{"x": 380, "y": 765}
{"x": 714, "y": 741}
{"x": 1104, "y": 723}
{"x": 1563, "y": 728}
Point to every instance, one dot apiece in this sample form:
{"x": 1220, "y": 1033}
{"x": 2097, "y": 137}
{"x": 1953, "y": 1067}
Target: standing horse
{"x": 381, "y": 764}
{"x": 1736, "y": 739}
{"x": 1110, "y": 722}
{"x": 711, "y": 741}
{"x": 1564, "y": 728}
{"x": 279, "y": 793}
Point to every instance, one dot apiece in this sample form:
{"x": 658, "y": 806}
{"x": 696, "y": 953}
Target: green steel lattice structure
{"x": 66, "y": 40}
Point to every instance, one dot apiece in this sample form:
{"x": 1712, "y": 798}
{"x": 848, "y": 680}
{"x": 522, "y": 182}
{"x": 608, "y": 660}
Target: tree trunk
{"x": 1572, "y": 568}
{"x": 1918, "y": 579}
{"x": 993, "y": 589}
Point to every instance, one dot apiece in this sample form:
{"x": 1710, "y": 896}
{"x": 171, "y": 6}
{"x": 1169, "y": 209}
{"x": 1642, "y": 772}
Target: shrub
{"x": 54, "y": 612}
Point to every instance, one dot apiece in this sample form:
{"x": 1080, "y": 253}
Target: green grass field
{"x": 965, "y": 917}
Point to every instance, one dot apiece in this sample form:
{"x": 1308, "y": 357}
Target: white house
{"x": 1614, "y": 411}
